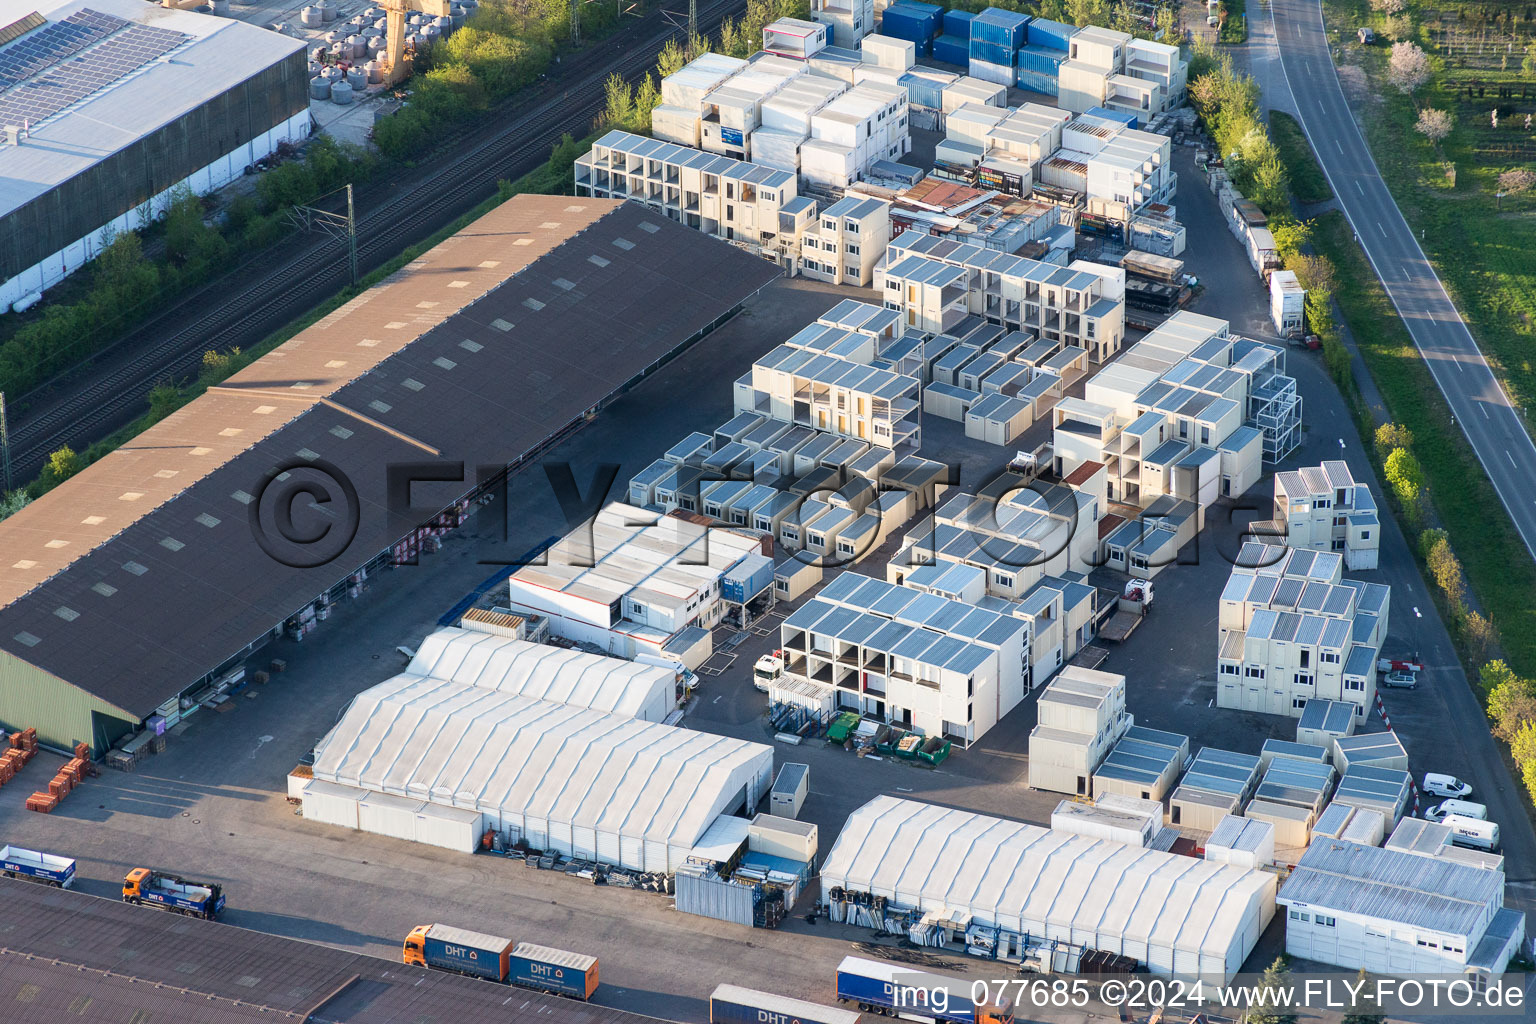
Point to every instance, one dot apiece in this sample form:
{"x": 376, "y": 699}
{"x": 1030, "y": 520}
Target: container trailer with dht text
{"x": 497, "y": 959}
{"x": 157, "y": 889}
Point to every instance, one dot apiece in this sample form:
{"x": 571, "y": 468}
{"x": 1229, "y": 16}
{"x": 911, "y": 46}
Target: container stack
{"x": 683, "y": 97}
{"x": 996, "y": 37}
{"x": 918, "y": 23}
{"x": 953, "y": 46}
{"x": 925, "y": 95}
{"x": 888, "y": 52}
{"x": 1046, "y": 46}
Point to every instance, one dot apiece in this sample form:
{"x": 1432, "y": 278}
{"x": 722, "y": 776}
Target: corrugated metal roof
{"x": 1390, "y": 885}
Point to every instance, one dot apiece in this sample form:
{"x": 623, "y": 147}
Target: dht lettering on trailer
{"x": 461, "y": 952}
{"x": 546, "y": 971}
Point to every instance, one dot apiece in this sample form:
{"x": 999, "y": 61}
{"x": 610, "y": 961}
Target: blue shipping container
{"x": 992, "y": 53}
{"x": 915, "y": 22}
{"x": 749, "y": 578}
{"x": 1005, "y": 28}
{"x": 1051, "y": 34}
{"x": 553, "y": 970}
{"x": 1041, "y": 60}
{"x": 925, "y": 86}
{"x": 1129, "y": 120}
{"x": 952, "y": 50}
{"x": 958, "y": 23}
{"x": 1039, "y": 81}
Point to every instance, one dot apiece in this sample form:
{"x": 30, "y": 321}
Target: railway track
{"x": 245, "y": 304}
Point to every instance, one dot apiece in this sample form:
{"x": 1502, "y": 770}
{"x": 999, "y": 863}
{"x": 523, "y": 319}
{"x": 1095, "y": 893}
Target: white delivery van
{"x": 1446, "y": 785}
{"x": 1471, "y": 832}
{"x": 1460, "y": 808}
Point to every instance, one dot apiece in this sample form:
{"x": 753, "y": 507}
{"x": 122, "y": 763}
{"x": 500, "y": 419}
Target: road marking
{"x": 1340, "y": 146}
{"x": 1359, "y": 188}
{"x": 1484, "y": 409}
{"x": 1509, "y": 456}
{"x": 1381, "y": 229}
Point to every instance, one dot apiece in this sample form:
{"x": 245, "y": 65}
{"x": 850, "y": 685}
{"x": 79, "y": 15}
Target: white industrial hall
{"x": 1178, "y": 915}
{"x": 510, "y": 665}
{"x": 584, "y": 783}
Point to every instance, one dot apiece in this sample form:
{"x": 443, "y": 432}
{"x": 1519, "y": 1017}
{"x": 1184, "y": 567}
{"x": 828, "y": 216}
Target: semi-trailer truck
{"x": 168, "y": 892}
{"x": 899, "y": 990}
{"x": 494, "y": 958}
{"x": 732, "y": 1004}
{"x": 38, "y": 867}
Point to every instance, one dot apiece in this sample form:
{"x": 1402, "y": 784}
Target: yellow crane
{"x": 394, "y": 33}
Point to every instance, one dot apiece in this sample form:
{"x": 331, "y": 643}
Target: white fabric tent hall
{"x": 587, "y": 784}
{"x": 1176, "y": 914}
{"x": 628, "y": 688}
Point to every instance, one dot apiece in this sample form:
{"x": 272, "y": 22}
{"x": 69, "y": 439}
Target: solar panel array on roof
{"x": 52, "y": 79}
{"x": 56, "y": 41}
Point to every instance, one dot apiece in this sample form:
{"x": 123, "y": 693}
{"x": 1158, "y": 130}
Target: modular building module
{"x": 1292, "y": 629}
{"x": 921, "y": 661}
{"x": 1322, "y": 508}
{"x": 1191, "y": 411}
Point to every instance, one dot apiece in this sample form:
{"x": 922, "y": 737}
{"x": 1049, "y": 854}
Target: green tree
{"x": 14, "y": 502}
{"x": 1390, "y": 436}
{"x": 164, "y": 399}
{"x": 1362, "y": 1008}
{"x": 1528, "y": 64}
{"x": 1480, "y": 635}
{"x": 1523, "y": 749}
{"x": 63, "y": 464}
{"x": 619, "y": 102}
{"x": 1406, "y": 476}
{"x": 1268, "y": 1010}
{"x": 1085, "y": 12}
{"x": 1271, "y": 187}
{"x": 1445, "y": 567}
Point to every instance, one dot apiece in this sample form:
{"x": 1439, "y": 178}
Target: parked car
{"x": 1446, "y": 785}
{"x": 1461, "y": 808}
{"x": 1400, "y": 680}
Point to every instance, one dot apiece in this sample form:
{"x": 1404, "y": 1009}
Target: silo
{"x": 357, "y": 46}
{"x": 341, "y": 93}
{"x": 327, "y": 10}
{"x": 375, "y": 71}
{"x": 357, "y": 78}
{"x": 320, "y": 88}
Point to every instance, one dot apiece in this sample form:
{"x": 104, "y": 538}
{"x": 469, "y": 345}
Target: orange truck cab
{"x": 415, "y": 951}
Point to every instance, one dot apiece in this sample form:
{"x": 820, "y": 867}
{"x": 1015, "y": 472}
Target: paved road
{"x": 1492, "y": 426}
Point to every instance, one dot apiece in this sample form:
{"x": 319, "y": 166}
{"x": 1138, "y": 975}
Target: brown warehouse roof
{"x": 68, "y": 953}
{"x": 142, "y": 573}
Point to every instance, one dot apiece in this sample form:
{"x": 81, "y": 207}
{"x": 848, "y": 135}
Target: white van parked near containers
{"x": 1471, "y": 832}
{"x": 1460, "y": 808}
{"x": 1446, "y": 785}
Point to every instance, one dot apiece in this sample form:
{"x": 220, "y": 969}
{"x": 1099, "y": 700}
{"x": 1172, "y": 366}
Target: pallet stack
{"x": 64, "y": 782}
{"x": 22, "y": 749}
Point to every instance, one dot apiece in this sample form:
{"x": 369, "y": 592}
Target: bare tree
{"x": 1434, "y": 124}
{"x": 1408, "y": 68}
{"x": 1515, "y": 181}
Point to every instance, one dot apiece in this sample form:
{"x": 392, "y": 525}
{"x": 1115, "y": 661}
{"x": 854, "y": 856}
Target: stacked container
{"x": 948, "y": 49}
{"x": 786, "y": 120}
{"x": 1052, "y": 35}
{"x": 918, "y": 23}
{"x": 1039, "y": 68}
{"x": 794, "y": 38}
{"x": 683, "y": 97}
{"x": 996, "y": 37}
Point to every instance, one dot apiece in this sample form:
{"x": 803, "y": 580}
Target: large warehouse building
{"x": 109, "y": 105}
{"x": 1175, "y": 914}
{"x": 130, "y": 588}
{"x": 588, "y": 785}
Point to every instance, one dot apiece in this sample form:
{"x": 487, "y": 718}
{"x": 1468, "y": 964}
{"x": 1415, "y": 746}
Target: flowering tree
{"x": 1408, "y": 67}
{"x": 1515, "y": 181}
{"x": 1387, "y": 7}
{"x": 1434, "y": 124}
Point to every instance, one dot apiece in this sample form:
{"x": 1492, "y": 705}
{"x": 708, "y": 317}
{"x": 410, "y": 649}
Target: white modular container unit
{"x": 1107, "y": 822}
{"x": 880, "y": 76}
{"x": 387, "y": 815}
{"x": 790, "y": 109}
{"x": 794, "y": 38}
{"x": 1292, "y": 825}
{"x": 972, "y": 123}
{"x": 776, "y": 149}
{"x": 1081, "y": 87}
{"x": 452, "y": 828}
{"x": 688, "y": 87}
{"x": 826, "y": 163}
{"x": 888, "y": 52}
{"x": 1287, "y": 303}
{"x": 331, "y": 803}
{"x": 1246, "y": 842}
{"x": 782, "y": 836}
{"x": 973, "y": 90}
{"x": 676, "y": 124}
{"x": 1000, "y": 74}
